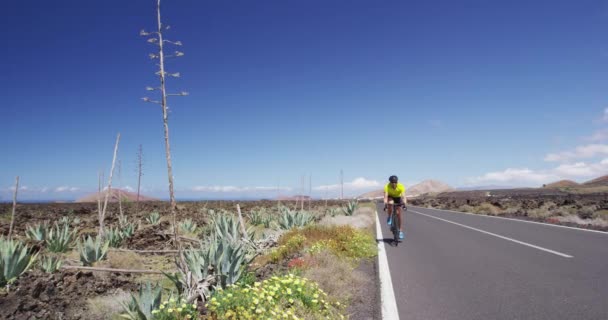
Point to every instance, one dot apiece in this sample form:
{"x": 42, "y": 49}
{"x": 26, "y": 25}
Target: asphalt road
{"x": 475, "y": 267}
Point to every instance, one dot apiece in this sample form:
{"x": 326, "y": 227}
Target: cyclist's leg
{"x": 389, "y": 211}
{"x": 399, "y": 214}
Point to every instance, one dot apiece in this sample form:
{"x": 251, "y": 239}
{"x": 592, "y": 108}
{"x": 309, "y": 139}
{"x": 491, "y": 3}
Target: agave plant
{"x": 228, "y": 227}
{"x": 350, "y": 208}
{"x": 153, "y": 218}
{"x": 38, "y": 232}
{"x": 220, "y": 264}
{"x": 140, "y": 307}
{"x": 333, "y": 212}
{"x": 188, "y": 226}
{"x": 69, "y": 220}
{"x": 92, "y": 251}
{"x": 60, "y": 238}
{"x": 15, "y": 259}
{"x": 268, "y": 221}
{"x": 229, "y": 260}
{"x": 294, "y": 219}
{"x": 256, "y": 217}
{"x": 115, "y": 237}
{"x": 128, "y": 230}
{"x": 65, "y": 220}
{"x": 122, "y": 221}
{"x": 50, "y": 264}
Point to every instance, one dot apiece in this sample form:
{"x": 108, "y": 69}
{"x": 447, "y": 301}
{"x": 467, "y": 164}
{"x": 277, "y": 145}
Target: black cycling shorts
{"x": 396, "y": 200}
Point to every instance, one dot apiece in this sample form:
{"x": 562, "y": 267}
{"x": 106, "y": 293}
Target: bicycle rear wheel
{"x": 395, "y": 228}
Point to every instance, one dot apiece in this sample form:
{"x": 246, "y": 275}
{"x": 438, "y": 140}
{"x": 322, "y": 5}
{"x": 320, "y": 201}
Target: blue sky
{"x": 468, "y": 92}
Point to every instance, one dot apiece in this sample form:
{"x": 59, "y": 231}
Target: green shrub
{"x": 114, "y": 237}
{"x": 256, "y": 218}
{"x": 293, "y": 245}
{"x": 333, "y": 212}
{"x": 153, "y": 218}
{"x": 227, "y": 226}
{"x": 175, "y": 310}
{"x": 15, "y": 259}
{"x": 294, "y": 219}
{"x": 60, "y": 238}
{"x": 350, "y": 208}
{"x": 50, "y": 264}
{"x": 92, "y": 251}
{"x": 38, "y": 232}
{"x": 128, "y": 230}
{"x": 142, "y": 306}
{"x": 188, "y": 226}
{"x": 278, "y": 297}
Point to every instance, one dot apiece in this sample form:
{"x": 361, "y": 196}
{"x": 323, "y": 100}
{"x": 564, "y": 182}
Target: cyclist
{"x": 394, "y": 192}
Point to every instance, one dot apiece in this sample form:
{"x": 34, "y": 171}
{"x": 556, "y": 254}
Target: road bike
{"x": 395, "y": 222}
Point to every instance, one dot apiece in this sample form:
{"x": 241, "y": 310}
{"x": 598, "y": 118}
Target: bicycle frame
{"x": 395, "y": 220}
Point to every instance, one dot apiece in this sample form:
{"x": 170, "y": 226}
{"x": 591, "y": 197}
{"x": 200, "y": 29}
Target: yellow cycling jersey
{"x": 396, "y": 192}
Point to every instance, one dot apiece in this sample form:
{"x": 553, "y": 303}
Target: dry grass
{"x": 576, "y": 219}
{"x": 107, "y": 307}
{"x": 545, "y": 211}
{"x": 601, "y": 214}
{"x": 124, "y": 260}
{"x": 466, "y": 208}
{"x": 336, "y": 276}
{"x": 488, "y": 209}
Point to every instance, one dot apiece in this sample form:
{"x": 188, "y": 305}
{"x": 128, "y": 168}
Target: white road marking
{"x": 497, "y": 235}
{"x": 387, "y": 295}
{"x": 519, "y": 220}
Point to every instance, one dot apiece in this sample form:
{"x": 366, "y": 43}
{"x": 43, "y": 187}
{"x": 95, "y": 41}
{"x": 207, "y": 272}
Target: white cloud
{"x": 128, "y": 188}
{"x": 581, "y": 152}
{"x": 527, "y": 177}
{"x": 66, "y": 189}
{"x": 22, "y": 188}
{"x": 582, "y": 169}
{"x": 523, "y": 176}
{"x": 598, "y": 136}
{"x": 605, "y": 118}
{"x": 356, "y": 184}
{"x": 236, "y": 189}
{"x": 44, "y": 189}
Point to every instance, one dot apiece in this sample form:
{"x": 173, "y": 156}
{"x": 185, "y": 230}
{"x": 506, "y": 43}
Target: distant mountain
{"x": 561, "y": 184}
{"x": 372, "y": 195}
{"x": 488, "y": 187}
{"x": 113, "y": 197}
{"x": 428, "y": 186}
{"x": 598, "y": 182}
{"x": 293, "y": 198}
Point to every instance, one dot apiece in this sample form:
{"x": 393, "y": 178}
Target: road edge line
{"x": 387, "y": 294}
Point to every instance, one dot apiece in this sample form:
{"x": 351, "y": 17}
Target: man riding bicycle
{"x": 394, "y": 193}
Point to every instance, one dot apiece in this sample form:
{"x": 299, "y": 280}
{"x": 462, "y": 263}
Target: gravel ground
{"x": 366, "y": 303}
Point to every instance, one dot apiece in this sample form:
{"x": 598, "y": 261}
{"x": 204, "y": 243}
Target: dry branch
{"x": 243, "y": 230}
{"x": 10, "y": 230}
{"x": 145, "y": 251}
{"x": 111, "y": 270}
{"x": 102, "y": 215}
{"x": 139, "y": 174}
